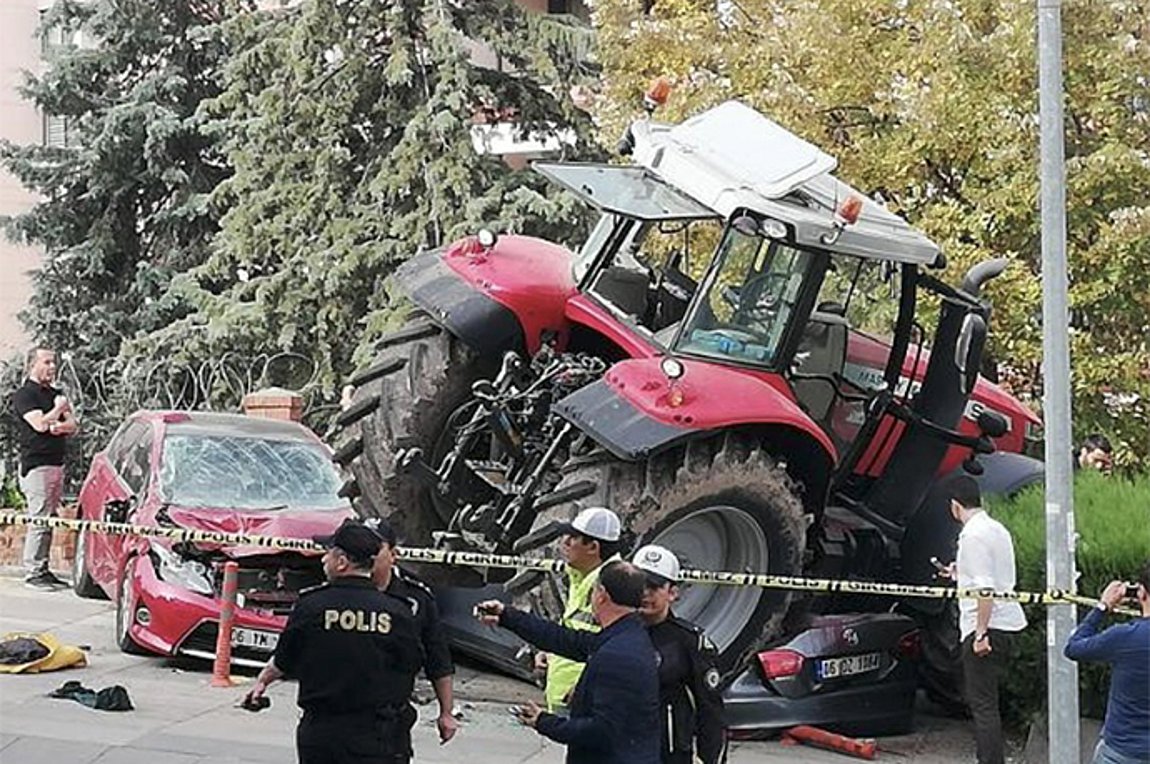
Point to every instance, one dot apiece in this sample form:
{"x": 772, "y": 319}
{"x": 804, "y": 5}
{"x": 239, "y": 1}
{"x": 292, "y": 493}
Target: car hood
{"x": 282, "y": 523}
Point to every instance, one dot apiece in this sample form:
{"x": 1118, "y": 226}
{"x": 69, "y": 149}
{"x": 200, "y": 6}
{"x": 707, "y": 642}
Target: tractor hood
{"x": 635, "y": 409}
{"x": 283, "y": 523}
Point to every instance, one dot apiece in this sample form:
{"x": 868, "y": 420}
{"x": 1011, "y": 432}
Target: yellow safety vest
{"x": 563, "y": 673}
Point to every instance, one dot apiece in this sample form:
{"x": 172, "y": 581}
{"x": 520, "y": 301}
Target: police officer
{"x": 437, "y": 665}
{"x": 691, "y": 707}
{"x": 355, "y": 652}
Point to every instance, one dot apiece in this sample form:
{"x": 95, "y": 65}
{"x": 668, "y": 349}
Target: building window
{"x": 57, "y": 131}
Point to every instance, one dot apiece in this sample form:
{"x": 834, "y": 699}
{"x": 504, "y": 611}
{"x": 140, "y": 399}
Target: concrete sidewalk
{"x": 180, "y": 719}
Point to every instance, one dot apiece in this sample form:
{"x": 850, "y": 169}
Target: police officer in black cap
{"x": 437, "y": 664}
{"x": 691, "y": 706}
{"x": 355, "y": 652}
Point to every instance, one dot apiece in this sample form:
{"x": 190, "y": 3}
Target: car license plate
{"x": 848, "y": 665}
{"x": 256, "y": 640}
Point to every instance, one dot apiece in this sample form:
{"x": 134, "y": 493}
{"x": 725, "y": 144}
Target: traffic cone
{"x": 222, "y": 666}
{"x": 859, "y": 748}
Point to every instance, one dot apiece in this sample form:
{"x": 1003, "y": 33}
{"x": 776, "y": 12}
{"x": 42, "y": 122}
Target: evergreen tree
{"x": 349, "y": 128}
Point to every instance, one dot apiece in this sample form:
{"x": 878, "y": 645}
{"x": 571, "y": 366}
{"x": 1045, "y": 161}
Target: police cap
{"x": 356, "y": 540}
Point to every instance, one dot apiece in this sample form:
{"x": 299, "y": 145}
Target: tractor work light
{"x": 486, "y": 237}
{"x": 657, "y": 93}
{"x": 773, "y": 229}
{"x": 672, "y": 368}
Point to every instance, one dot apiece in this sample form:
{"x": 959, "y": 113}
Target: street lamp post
{"x": 1062, "y": 674}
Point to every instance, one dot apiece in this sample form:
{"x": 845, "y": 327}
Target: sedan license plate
{"x": 264, "y": 641}
{"x": 832, "y": 668}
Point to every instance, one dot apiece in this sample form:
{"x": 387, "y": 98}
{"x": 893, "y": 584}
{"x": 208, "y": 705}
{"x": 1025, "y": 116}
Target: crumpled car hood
{"x": 282, "y": 523}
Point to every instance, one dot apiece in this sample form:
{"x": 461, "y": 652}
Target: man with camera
{"x": 1125, "y": 735}
{"x": 614, "y": 707}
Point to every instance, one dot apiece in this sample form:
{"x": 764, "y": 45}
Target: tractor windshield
{"x": 748, "y": 299}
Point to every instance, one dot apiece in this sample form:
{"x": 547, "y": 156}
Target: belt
{"x": 385, "y": 713}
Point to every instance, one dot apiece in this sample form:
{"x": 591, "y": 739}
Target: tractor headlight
{"x": 190, "y": 574}
{"x": 1033, "y": 436}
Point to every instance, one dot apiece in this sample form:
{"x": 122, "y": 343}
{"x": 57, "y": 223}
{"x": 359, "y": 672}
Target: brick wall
{"x": 63, "y": 544}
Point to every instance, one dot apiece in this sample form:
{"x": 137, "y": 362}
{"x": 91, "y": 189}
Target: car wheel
{"x": 82, "y": 582}
{"x": 125, "y": 611}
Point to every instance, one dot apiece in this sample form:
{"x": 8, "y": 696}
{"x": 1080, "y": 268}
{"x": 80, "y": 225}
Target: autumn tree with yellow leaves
{"x": 931, "y": 106}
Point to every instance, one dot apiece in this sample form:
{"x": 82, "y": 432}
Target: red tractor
{"x": 731, "y": 362}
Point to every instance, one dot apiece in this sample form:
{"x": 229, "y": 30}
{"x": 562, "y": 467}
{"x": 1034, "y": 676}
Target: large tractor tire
{"x": 403, "y": 400}
{"x": 719, "y": 504}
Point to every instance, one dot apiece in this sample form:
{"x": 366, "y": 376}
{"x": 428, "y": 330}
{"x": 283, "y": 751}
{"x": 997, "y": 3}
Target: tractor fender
{"x": 509, "y": 296}
{"x": 635, "y": 410}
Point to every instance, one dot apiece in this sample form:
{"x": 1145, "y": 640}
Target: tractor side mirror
{"x": 968, "y": 350}
{"x": 992, "y": 424}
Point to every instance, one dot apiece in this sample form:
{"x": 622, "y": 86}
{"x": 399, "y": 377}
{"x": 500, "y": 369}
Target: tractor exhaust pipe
{"x": 946, "y": 387}
{"x": 982, "y": 273}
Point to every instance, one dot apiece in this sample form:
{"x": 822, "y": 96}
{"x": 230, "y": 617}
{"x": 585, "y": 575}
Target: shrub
{"x": 1112, "y": 516}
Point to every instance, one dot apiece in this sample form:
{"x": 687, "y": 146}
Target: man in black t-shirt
{"x": 355, "y": 651}
{"x": 44, "y": 421}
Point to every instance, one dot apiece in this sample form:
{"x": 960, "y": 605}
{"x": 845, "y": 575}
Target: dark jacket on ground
{"x": 614, "y": 707}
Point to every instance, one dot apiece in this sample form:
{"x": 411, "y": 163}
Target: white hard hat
{"x": 657, "y": 561}
{"x": 598, "y": 523}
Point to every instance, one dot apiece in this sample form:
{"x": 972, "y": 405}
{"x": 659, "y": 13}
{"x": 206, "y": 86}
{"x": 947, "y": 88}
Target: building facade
{"x": 21, "y": 123}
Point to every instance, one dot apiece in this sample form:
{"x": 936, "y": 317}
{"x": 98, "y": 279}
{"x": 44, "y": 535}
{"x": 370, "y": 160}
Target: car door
{"x": 133, "y": 470}
{"x": 111, "y": 498}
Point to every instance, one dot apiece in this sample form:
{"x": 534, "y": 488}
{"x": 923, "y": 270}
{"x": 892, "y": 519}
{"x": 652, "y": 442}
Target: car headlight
{"x": 190, "y": 574}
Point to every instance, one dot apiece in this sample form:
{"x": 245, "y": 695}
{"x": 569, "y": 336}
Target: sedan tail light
{"x": 910, "y": 645}
{"x": 780, "y": 663}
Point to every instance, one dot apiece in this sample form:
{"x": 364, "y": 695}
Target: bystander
{"x": 1125, "y": 735}
{"x": 44, "y": 421}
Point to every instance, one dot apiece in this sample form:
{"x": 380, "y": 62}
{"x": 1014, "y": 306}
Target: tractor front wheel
{"x": 720, "y": 504}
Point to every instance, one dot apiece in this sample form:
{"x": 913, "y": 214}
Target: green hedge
{"x": 1112, "y": 516}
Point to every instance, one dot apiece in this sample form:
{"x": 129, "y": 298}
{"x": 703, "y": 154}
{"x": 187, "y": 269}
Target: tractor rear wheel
{"x": 404, "y": 399}
{"x": 719, "y": 504}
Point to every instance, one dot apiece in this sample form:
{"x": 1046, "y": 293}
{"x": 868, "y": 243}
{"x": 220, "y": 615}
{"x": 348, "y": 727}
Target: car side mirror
{"x": 116, "y": 510}
{"x": 968, "y": 350}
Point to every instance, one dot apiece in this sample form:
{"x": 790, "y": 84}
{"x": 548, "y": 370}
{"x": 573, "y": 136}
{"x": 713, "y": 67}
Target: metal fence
{"x": 104, "y": 393}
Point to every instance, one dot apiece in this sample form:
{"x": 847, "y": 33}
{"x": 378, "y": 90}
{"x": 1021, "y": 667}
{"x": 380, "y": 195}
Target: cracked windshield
{"x": 247, "y": 473}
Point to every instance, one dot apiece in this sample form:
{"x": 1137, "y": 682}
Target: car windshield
{"x": 247, "y": 473}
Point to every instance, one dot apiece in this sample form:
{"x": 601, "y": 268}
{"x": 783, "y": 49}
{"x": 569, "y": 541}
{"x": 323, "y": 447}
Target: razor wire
{"x": 106, "y": 392}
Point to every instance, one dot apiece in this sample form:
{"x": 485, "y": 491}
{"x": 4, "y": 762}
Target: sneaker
{"x": 45, "y": 581}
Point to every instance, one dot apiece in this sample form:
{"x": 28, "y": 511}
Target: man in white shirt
{"x": 985, "y": 561}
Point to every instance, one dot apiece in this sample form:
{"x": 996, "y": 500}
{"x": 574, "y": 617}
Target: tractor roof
{"x": 732, "y": 157}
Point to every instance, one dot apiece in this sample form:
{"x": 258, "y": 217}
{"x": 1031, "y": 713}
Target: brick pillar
{"x": 274, "y": 403}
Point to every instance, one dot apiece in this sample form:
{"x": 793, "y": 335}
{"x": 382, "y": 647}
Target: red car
{"x": 219, "y": 472}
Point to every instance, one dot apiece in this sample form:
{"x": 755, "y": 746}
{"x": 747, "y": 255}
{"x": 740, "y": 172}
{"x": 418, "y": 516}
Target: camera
{"x": 256, "y": 704}
{"x": 1131, "y": 592}
{"x": 481, "y": 610}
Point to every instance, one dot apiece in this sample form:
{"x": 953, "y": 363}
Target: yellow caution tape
{"x": 486, "y": 560}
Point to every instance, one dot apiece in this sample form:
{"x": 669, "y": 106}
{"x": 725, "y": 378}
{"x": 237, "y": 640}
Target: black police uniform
{"x": 355, "y": 651}
{"x": 419, "y": 597}
{"x": 690, "y": 704}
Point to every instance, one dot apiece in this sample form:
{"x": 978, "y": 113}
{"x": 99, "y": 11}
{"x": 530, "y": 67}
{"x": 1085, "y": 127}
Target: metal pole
{"x": 1062, "y": 674}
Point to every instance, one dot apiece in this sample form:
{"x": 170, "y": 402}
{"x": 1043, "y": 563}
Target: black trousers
{"x": 981, "y": 676}
{"x": 356, "y": 739}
